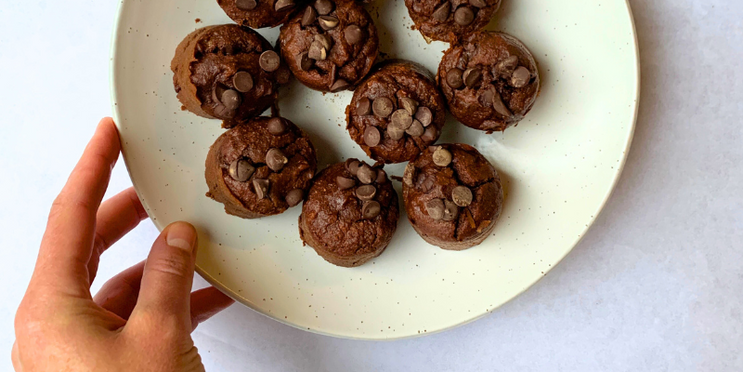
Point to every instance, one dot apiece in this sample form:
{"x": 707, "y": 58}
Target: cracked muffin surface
{"x": 350, "y": 213}
{"x": 453, "y": 196}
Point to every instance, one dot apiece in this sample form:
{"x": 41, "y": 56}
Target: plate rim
{"x": 113, "y": 54}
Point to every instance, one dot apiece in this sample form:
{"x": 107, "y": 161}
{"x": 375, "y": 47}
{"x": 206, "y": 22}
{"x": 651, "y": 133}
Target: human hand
{"x": 141, "y": 319}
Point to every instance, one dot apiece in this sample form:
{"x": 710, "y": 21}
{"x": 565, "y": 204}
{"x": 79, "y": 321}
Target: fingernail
{"x": 181, "y": 235}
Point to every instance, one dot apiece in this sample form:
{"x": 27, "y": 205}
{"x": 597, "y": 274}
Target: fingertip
{"x": 181, "y": 235}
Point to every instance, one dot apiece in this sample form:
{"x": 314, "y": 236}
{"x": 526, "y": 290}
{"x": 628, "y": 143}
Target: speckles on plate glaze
{"x": 531, "y": 152}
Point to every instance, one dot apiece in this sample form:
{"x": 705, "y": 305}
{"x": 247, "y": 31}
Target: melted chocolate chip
{"x": 353, "y": 34}
{"x": 442, "y": 157}
{"x": 363, "y": 107}
{"x": 294, "y": 197}
{"x": 424, "y": 115}
{"x": 269, "y": 61}
{"x": 345, "y": 183}
{"x": 283, "y": 5}
{"x": 372, "y": 137}
{"x": 246, "y": 4}
{"x": 382, "y": 107}
{"x": 324, "y": 7}
{"x": 442, "y": 12}
{"x": 241, "y": 170}
{"x": 231, "y": 99}
{"x": 242, "y": 81}
{"x": 275, "y": 159}
{"x": 309, "y": 16}
{"x": 461, "y": 196}
{"x": 435, "y": 209}
{"x": 366, "y": 192}
{"x": 454, "y": 78}
{"x": 409, "y": 104}
{"x": 463, "y": 16}
{"x": 261, "y": 187}
{"x": 371, "y": 209}
{"x": 339, "y": 85}
{"x": 471, "y": 77}
{"x": 520, "y": 77}
{"x": 327, "y": 22}
{"x": 276, "y": 126}
{"x": 451, "y": 211}
{"x": 366, "y": 174}
{"x": 416, "y": 129}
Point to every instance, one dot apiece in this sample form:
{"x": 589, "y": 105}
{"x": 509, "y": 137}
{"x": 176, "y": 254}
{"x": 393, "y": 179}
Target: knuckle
{"x": 172, "y": 264}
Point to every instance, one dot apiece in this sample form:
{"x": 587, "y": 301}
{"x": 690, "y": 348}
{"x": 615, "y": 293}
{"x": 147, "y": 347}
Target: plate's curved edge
{"x": 219, "y": 285}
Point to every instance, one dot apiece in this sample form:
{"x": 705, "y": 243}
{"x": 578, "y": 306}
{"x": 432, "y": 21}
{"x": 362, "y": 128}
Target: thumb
{"x": 165, "y": 291}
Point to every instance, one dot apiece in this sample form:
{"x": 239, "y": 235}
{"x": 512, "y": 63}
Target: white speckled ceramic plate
{"x": 559, "y": 167}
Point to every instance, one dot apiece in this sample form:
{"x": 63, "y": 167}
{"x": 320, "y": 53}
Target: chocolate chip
{"x": 276, "y": 126}
{"x": 416, "y": 129}
{"x": 461, "y": 196}
{"x": 283, "y": 5}
{"x": 352, "y": 166}
{"x": 294, "y": 197}
{"x": 464, "y": 16}
{"x": 246, "y": 4}
{"x": 381, "y": 176}
{"x": 371, "y": 209}
{"x": 304, "y": 61}
{"x": 435, "y": 208}
{"x": 472, "y": 77}
{"x": 317, "y": 52}
{"x": 309, "y": 17}
{"x": 499, "y": 106}
{"x": 324, "y": 40}
{"x": 451, "y": 211}
{"x": 241, "y": 170}
{"x": 424, "y": 115}
{"x": 339, "y": 85}
{"x": 366, "y": 174}
{"x": 506, "y": 66}
{"x": 442, "y": 12}
{"x": 353, "y": 34}
{"x": 363, "y": 107}
{"x": 345, "y": 183}
{"x": 478, "y": 3}
{"x": 442, "y": 157}
{"x": 324, "y": 7}
{"x": 231, "y": 99}
{"x": 366, "y": 192}
{"x": 242, "y": 81}
{"x": 395, "y": 133}
{"x": 430, "y": 134}
{"x": 275, "y": 159}
{"x": 382, "y": 107}
{"x": 454, "y": 78}
{"x": 520, "y": 77}
{"x": 408, "y": 104}
{"x": 401, "y": 119}
{"x": 261, "y": 187}
{"x": 327, "y": 22}
{"x": 486, "y": 98}
{"x": 269, "y": 61}
{"x": 372, "y": 136}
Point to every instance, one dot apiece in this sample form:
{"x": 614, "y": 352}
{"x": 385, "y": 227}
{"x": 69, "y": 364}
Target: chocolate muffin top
{"x": 259, "y": 13}
{"x": 227, "y": 72}
{"x": 452, "y": 193}
{"x": 265, "y": 163}
{"x": 451, "y": 20}
{"x": 490, "y": 81}
{"x": 396, "y": 113}
{"x": 351, "y": 210}
{"x": 330, "y": 45}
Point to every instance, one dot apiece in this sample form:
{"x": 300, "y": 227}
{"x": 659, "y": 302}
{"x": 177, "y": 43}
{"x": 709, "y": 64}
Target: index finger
{"x": 68, "y": 239}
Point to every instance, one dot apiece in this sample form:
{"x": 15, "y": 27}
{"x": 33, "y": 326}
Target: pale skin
{"x": 141, "y": 319}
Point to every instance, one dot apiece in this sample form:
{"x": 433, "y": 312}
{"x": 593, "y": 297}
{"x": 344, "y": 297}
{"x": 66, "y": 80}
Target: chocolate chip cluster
{"x": 243, "y": 170}
{"x": 364, "y": 176}
{"x": 279, "y": 6}
{"x": 409, "y": 118}
{"x": 485, "y": 79}
{"x": 321, "y": 15}
{"x": 230, "y": 97}
{"x": 461, "y": 196}
{"x": 463, "y": 14}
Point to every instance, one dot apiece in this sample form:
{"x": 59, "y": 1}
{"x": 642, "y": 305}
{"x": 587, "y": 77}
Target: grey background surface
{"x": 656, "y": 285}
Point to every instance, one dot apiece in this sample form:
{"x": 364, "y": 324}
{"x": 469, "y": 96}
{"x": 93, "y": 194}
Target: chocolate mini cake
{"x": 396, "y": 113}
{"x": 260, "y": 167}
{"x": 258, "y": 13}
{"x": 490, "y": 81}
{"x": 350, "y": 213}
{"x": 330, "y": 45}
{"x": 227, "y": 72}
{"x": 453, "y": 196}
{"x": 451, "y": 20}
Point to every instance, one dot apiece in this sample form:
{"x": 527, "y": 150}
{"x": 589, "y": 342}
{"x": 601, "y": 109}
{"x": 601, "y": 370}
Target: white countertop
{"x": 656, "y": 285}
